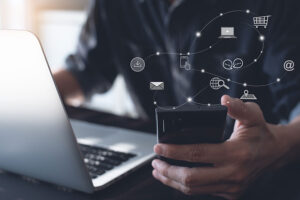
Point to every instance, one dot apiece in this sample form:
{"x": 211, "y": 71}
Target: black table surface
{"x": 284, "y": 184}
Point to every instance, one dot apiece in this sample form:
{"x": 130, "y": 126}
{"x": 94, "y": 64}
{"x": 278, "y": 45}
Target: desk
{"x": 140, "y": 185}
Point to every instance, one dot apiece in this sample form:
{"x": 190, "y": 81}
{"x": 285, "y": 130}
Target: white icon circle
{"x": 238, "y": 63}
{"x": 227, "y": 64}
{"x": 137, "y": 64}
{"x": 289, "y": 65}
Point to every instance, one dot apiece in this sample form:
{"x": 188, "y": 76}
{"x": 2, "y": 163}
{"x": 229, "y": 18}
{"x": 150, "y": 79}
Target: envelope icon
{"x": 157, "y": 86}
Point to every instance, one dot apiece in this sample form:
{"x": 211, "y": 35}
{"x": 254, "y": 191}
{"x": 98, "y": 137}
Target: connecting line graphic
{"x": 198, "y": 35}
{"x": 176, "y": 107}
{"x": 179, "y": 54}
{"x": 162, "y": 53}
{"x": 173, "y": 108}
{"x": 238, "y": 83}
{"x": 262, "y": 39}
{"x": 205, "y": 104}
{"x": 203, "y": 89}
{"x": 204, "y": 50}
{"x": 217, "y": 17}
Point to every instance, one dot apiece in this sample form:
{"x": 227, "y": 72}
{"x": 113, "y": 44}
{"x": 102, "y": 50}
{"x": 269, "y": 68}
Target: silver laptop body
{"x": 36, "y": 137}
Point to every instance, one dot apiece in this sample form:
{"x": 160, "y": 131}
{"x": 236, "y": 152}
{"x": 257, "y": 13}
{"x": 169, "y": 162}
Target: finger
{"x": 247, "y": 113}
{"x": 169, "y": 182}
{"x": 191, "y": 176}
{"x": 198, "y": 153}
{"x": 190, "y": 190}
{"x": 227, "y": 196}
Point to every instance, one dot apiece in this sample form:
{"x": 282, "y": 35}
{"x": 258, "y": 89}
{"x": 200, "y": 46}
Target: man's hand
{"x": 69, "y": 87}
{"x": 253, "y": 148}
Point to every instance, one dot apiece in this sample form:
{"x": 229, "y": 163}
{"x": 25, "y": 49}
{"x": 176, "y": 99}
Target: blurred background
{"x": 57, "y": 23}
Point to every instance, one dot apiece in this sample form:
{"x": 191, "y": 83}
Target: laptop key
{"x": 99, "y": 160}
{"x": 100, "y": 172}
{"x": 93, "y": 175}
{"x": 108, "y": 160}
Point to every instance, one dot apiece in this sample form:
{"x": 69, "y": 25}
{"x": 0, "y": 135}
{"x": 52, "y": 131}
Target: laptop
{"x": 227, "y": 33}
{"x": 38, "y": 140}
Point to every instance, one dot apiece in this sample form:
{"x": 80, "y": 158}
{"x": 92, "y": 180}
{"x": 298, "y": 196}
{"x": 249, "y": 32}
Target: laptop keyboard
{"x": 99, "y": 160}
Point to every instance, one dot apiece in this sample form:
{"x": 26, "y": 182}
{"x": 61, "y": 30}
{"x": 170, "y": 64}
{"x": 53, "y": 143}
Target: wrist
{"x": 287, "y": 143}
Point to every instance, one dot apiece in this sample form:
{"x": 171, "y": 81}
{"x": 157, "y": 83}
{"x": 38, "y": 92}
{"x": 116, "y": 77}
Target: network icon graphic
{"x": 184, "y": 62}
{"x": 247, "y": 96}
{"x": 137, "y": 64}
{"x": 261, "y": 21}
{"x": 217, "y": 82}
{"x": 235, "y": 64}
{"x": 289, "y": 65}
{"x": 227, "y": 33}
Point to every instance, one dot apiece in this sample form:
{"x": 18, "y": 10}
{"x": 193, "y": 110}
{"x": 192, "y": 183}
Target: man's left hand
{"x": 252, "y": 149}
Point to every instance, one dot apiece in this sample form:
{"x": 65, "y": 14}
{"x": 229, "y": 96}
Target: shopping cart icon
{"x": 261, "y": 21}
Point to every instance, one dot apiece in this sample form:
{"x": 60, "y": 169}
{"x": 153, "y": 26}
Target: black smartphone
{"x": 190, "y": 124}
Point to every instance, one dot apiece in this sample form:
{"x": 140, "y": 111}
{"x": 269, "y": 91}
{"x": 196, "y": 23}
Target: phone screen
{"x": 191, "y": 125}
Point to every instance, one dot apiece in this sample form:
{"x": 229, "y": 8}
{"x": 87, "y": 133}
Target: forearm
{"x": 288, "y": 137}
{"x": 69, "y": 87}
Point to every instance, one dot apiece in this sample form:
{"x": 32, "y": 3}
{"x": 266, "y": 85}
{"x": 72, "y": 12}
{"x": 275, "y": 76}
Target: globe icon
{"x": 215, "y": 83}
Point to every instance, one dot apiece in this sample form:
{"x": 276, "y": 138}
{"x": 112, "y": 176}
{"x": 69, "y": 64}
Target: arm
{"x": 69, "y": 87}
{"x": 289, "y": 135}
{"x": 255, "y": 146}
{"x": 91, "y": 68}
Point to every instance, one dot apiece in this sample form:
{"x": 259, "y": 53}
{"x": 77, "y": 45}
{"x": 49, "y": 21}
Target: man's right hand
{"x": 254, "y": 148}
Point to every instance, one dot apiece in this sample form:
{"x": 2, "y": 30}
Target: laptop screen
{"x": 227, "y": 31}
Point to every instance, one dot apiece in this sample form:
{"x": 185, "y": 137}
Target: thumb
{"x": 248, "y": 114}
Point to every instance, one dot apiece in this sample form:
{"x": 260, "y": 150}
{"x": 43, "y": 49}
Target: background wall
{"x": 59, "y": 22}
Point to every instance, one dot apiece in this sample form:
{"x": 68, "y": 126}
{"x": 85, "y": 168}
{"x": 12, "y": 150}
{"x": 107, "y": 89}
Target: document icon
{"x": 157, "y": 86}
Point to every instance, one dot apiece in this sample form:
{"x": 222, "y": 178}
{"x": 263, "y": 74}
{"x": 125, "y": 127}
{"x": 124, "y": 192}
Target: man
{"x": 117, "y": 31}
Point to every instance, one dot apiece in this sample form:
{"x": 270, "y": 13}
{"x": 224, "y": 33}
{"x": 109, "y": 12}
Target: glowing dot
{"x": 278, "y": 79}
{"x": 174, "y": 108}
{"x": 261, "y": 52}
{"x": 245, "y": 84}
{"x": 248, "y": 11}
{"x": 227, "y": 102}
{"x": 228, "y": 80}
{"x": 209, "y": 104}
{"x": 188, "y": 53}
{"x": 262, "y": 38}
{"x": 202, "y": 70}
{"x": 255, "y": 60}
{"x": 198, "y": 34}
{"x": 221, "y": 14}
{"x": 210, "y": 47}
{"x": 154, "y": 103}
{"x": 189, "y": 99}
{"x": 158, "y": 53}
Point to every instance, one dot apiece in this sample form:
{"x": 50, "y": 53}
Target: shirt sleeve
{"x": 92, "y": 64}
{"x": 283, "y": 44}
{"x": 295, "y": 112}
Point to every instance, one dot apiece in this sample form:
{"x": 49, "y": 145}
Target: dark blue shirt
{"x": 117, "y": 31}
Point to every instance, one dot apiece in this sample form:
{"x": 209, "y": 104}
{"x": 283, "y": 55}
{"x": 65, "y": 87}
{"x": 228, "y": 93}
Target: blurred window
{"x": 59, "y": 22}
